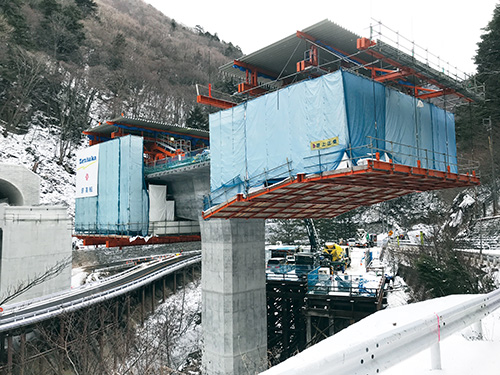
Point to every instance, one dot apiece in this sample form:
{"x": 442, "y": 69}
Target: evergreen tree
{"x": 287, "y": 231}
{"x": 340, "y": 227}
{"x": 49, "y": 7}
{"x": 197, "y": 119}
{"x": 11, "y": 10}
{"x": 62, "y": 31}
{"x": 450, "y": 274}
{"x": 228, "y": 86}
{"x": 488, "y": 58}
{"x": 51, "y": 70}
{"x": 117, "y": 52}
{"x": 488, "y": 68}
{"x": 87, "y": 7}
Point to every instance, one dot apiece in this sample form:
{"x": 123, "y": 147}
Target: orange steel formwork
{"x": 336, "y": 192}
{"x": 121, "y": 241}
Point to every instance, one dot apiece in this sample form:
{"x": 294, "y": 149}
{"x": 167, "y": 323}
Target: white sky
{"x": 449, "y": 29}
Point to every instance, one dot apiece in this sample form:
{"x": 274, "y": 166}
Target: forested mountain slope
{"x": 69, "y": 64}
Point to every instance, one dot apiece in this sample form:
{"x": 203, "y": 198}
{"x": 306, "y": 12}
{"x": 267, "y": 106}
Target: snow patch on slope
{"x": 37, "y": 150}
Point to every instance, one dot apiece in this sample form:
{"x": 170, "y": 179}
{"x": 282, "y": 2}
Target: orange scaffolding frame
{"x": 336, "y": 192}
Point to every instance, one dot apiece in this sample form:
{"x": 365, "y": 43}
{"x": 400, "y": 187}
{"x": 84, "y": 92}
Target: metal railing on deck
{"x": 209, "y": 91}
{"x": 325, "y": 161}
{"x": 381, "y": 33}
{"x": 47, "y": 310}
{"x": 188, "y": 158}
{"x": 348, "y": 285}
{"x": 267, "y": 177}
{"x": 396, "y": 152}
{"x": 124, "y": 229}
{"x": 128, "y": 229}
{"x": 173, "y": 227}
{"x": 478, "y": 243}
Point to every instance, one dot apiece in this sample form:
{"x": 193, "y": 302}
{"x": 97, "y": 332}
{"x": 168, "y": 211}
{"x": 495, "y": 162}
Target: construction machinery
{"x": 314, "y": 239}
{"x": 331, "y": 254}
{"x": 336, "y": 257}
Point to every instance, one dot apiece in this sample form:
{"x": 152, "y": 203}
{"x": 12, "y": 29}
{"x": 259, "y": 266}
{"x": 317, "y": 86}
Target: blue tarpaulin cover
{"x": 311, "y": 126}
{"x": 122, "y": 203}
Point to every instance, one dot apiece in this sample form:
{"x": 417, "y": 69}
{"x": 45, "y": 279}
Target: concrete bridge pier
{"x": 233, "y": 297}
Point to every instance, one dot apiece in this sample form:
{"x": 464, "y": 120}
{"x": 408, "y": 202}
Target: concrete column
{"x": 234, "y": 297}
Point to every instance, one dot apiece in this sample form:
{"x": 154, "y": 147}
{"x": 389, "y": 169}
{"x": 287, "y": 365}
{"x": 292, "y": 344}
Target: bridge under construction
{"x": 324, "y": 121}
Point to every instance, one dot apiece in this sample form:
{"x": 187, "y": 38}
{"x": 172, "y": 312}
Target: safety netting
{"x": 323, "y": 124}
{"x": 122, "y": 203}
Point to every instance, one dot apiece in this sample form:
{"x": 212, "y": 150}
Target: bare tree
{"x": 72, "y": 104}
{"x": 27, "y": 70}
{"x": 172, "y": 336}
{"x": 37, "y": 279}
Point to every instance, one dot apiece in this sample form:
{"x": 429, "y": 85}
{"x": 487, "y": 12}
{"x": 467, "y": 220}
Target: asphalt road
{"x": 29, "y": 309}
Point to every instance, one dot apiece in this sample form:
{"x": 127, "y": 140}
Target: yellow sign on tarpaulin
{"x": 325, "y": 143}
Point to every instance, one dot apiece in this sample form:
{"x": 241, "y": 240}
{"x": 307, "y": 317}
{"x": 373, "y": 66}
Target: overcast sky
{"x": 449, "y": 29}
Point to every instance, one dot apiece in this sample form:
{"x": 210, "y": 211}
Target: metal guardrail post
{"x": 436, "y": 356}
{"x": 477, "y": 328}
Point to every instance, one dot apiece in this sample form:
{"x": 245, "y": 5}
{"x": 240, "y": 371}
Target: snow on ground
{"x": 174, "y": 330}
{"x": 37, "y": 150}
{"x": 78, "y": 277}
{"x": 461, "y": 353}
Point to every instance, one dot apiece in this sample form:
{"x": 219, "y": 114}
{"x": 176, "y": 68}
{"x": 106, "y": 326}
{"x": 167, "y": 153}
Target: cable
{"x": 284, "y": 67}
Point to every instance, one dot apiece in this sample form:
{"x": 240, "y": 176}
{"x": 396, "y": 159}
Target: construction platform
{"x": 121, "y": 241}
{"x": 385, "y": 57}
{"x": 336, "y": 192}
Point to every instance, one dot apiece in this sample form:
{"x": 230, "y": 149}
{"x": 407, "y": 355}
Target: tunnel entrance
{"x": 10, "y": 194}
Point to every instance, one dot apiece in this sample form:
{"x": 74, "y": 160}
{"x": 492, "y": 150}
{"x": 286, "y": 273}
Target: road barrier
{"x": 384, "y": 350}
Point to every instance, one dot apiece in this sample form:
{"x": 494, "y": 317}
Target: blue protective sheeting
{"x": 400, "y": 128}
{"x": 311, "y": 126}
{"x": 444, "y": 142}
{"x": 424, "y": 134}
{"x": 365, "y": 106}
{"x": 451, "y": 141}
{"x": 122, "y": 203}
{"x": 260, "y": 140}
{"x": 439, "y": 134}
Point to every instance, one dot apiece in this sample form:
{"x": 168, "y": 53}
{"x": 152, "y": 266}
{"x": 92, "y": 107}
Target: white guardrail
{"x": 384, "y": 350}
{"x": 19, "y": 319}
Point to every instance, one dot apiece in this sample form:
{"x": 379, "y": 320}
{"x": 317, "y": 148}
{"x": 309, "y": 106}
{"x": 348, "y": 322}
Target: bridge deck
{"x": 334, "y": 193}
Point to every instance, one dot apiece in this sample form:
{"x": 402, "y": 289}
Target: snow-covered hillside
{"x": 37, "y": 150}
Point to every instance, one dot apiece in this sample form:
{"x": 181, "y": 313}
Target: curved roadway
{"x": 32, "y": 311}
